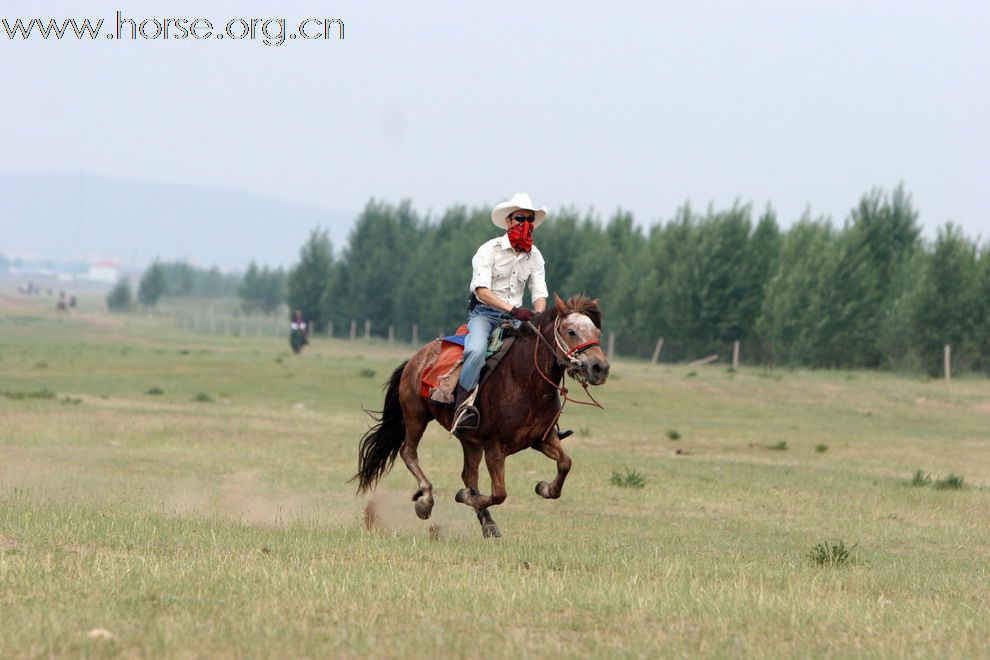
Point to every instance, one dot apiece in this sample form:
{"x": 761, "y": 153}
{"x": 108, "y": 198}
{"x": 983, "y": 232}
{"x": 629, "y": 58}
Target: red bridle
{"x": 580, "y": 348}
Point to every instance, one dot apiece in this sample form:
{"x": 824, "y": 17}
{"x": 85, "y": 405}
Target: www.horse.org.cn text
{"x": 268, "y": 31}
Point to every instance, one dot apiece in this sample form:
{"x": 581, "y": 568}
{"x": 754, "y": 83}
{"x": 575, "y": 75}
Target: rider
{"x": 501, "y": 268}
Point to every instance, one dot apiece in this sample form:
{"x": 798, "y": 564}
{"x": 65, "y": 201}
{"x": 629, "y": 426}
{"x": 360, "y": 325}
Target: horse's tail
{"x": 380, "y": 445}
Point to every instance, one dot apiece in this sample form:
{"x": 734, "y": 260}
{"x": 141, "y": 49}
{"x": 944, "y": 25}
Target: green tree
{"x": 308, "y": 280}
{"x": 261, "y": 289}
{"x": 120, "y": 298}
{"x": 790, "y": 321}
{"x": 982, "y": 309}
{"x": 943, "y": 312}
{"x": 878, "y": 241}
{"x": 372, "y": 281}
{"x": 153, "y": 285}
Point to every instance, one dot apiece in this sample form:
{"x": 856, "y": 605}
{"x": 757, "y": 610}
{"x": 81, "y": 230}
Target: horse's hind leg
{"x": 423, "y": 497}
{"x": 552, "y": 449}
{"x": 469, "y": 495}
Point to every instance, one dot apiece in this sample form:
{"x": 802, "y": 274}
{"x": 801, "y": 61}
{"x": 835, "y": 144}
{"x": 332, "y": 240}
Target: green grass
{"x": 950, "y": 482}
{"x": 629, "y": 479}
{"x": 229, "y": 529}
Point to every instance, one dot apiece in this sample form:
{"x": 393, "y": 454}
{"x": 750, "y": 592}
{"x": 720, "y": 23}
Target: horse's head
{"x": 577, "y": 328}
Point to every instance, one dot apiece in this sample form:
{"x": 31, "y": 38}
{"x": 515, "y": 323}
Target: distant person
{"x": 299, "y": 332}
{"x": 62, "y": 304}
{"x": 72, "y": 302}
{"x": 501, "y": 270}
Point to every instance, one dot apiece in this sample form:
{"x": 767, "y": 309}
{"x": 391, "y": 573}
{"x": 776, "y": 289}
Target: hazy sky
{"x": 635, "y": 105}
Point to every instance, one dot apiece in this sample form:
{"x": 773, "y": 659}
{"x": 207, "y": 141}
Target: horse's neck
{"x": 546, "y": 358}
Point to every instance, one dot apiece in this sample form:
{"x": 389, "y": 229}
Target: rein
{"x": 573, "y": 361}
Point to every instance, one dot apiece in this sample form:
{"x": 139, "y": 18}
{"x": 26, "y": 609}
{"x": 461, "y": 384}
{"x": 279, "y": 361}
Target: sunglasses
{"x": 522, "y": 218}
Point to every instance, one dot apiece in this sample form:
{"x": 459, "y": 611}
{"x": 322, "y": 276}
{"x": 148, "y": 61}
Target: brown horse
{"x": 519, "y": 404}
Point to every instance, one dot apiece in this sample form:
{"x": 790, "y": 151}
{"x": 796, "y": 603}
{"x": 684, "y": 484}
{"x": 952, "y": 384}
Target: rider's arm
{"x": 486, "y": 297}
{"x": 538, "y": 282}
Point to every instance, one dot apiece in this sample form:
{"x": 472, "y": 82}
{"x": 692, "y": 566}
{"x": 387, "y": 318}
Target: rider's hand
{"x": 522, "y": 314}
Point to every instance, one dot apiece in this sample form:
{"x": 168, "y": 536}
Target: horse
{"x": 519, "y": 403}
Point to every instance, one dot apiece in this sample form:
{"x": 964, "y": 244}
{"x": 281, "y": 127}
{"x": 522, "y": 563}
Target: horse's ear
{"x": 559, "y": 304}
{"x": 595, "y": 314}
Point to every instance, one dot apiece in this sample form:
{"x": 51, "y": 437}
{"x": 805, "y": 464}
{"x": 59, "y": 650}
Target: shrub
{"x": 831, "y": 554}
{"x": 36, "y": 394}
{"x": 203, "y": 397}
{"x": 921, "y": 478}
{"x": 780, "y": 446}
{"x": 951, "y": 482}
{"x": 673, "y": 434}
{"x": 631, "y": 479}
{"x": 821, "y": 449}
{"x": 155, "y": 391}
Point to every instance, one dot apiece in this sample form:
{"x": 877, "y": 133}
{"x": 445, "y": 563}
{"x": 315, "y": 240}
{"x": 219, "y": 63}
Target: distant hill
{"x": 66, "y": 217}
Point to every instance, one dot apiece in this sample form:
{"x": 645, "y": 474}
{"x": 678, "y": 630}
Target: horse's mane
{"x": 579, "y": 303}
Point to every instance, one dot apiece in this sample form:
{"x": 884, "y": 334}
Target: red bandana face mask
{"x": 521, "y": 236}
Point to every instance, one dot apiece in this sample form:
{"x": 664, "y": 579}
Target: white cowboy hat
{"x": 519, "y": 202}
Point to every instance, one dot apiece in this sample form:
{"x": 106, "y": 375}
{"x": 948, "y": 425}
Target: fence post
{"x": 391, "y": 334}
{"x": 353, "y": 329}
{"x": 367, "y": 328}
{"x": 656, "y": 351}
{"x": 735, "y": 355}
{"x": 415, "y": 334}
{"x": 947, "y": 361}
{"x": 611, "y": 346}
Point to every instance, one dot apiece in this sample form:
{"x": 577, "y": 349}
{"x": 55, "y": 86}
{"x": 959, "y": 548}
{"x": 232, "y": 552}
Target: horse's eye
{"x": 572, "y": 333}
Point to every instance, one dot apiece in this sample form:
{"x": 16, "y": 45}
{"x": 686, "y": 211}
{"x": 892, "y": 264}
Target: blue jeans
{"x": 482, "y": 320}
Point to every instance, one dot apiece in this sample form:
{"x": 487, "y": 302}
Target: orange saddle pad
{"x": 440, "y": 378}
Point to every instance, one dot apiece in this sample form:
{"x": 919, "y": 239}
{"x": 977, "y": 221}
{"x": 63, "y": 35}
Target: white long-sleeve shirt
{"x": 506, "y": 273}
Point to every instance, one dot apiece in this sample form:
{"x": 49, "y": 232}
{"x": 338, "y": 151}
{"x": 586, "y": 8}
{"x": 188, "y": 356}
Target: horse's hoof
{"x": 490, "y": 531}
{"x": 464, "y": 495}
{"x": 543, "y": 489}
{"x": 424, "y": 507}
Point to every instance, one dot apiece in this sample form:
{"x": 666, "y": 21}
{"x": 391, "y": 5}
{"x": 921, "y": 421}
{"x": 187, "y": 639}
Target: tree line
{"x": 259, "y": 289}
{"x": 869, "y": 293}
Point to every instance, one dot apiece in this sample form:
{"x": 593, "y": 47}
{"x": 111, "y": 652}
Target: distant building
{"x": 103, "y": 270}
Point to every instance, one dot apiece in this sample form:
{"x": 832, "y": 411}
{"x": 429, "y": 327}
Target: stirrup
{"x": 466, "y": 411}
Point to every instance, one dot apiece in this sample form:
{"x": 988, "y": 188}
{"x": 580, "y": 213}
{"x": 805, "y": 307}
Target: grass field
{"x": 186, "y": 494}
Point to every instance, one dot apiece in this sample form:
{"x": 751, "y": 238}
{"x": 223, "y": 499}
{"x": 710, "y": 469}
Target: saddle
{"x": 443, "y": 370}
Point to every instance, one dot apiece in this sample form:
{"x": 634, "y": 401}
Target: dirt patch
{"x": 10, "y": 304}
{"x": 243, "y": 496}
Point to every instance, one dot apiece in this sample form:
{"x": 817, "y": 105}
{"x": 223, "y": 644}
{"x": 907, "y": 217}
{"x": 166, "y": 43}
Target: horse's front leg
{"x": 423, "y": 497}
{"x": 495, "y": 459}
{"x": 551, "y": 448}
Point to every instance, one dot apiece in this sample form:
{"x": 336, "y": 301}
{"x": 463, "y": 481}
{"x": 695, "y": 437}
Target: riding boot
{"x": 466, "y": 417}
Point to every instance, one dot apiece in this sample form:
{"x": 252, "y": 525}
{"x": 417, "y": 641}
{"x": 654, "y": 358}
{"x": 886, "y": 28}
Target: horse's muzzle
{"x": 595, "y": 370}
